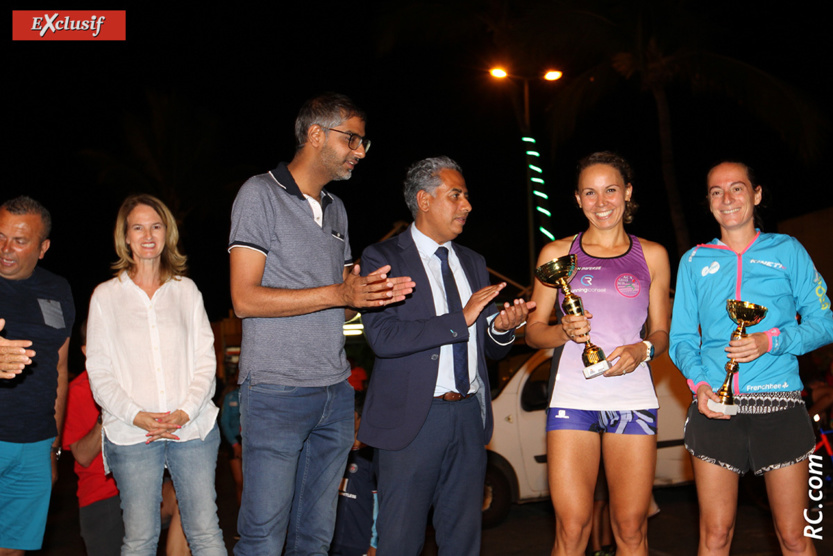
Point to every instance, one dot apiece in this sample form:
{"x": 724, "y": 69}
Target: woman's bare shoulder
{"x": 555, "y": 249}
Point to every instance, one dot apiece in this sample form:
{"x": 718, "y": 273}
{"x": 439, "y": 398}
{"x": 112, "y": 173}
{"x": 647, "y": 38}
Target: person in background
{"x": 230, "y": 427}
{"x": 818, "y": 389}
{"x": 356, "y": 498}
{"x": 358, "y": 376}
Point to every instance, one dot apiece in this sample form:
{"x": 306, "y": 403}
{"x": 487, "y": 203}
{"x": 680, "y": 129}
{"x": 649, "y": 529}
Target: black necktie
{"x": 452, "y": 296}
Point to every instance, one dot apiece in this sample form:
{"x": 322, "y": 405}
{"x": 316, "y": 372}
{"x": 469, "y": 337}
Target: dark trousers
{"x": 443, "y": 467}
{"x": 102, "y": 527}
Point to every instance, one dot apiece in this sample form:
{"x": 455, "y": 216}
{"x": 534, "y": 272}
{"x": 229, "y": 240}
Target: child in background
{"x": 230, "y": 428}
{"x": 355, "y": 515}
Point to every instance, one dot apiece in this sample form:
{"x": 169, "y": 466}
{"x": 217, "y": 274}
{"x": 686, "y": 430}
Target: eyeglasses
{"x": 353, "y": 140}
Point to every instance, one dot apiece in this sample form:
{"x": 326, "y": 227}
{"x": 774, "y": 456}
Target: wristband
{"x": 772, "y": 332}
{"x": 650, "y": 354}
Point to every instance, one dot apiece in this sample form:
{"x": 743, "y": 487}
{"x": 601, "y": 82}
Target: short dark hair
{"x": 326, "y": 110}
{"x": 424, "y": 176}
{"x": 26, "y": 205}
{"x": 621, "y": 165}
{"x": 750, "y": 173}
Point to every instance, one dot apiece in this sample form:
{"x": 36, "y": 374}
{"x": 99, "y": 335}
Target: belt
{"x": 758, "y": 403}
{"x": 453, "y": 397}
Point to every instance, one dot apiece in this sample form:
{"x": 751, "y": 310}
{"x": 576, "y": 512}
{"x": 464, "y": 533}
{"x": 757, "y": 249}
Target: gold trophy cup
{"x": 743, "y": 314}
{"x": 557, "y": 273}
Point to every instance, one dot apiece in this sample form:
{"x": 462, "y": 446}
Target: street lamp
{"x": 537, "y": 196}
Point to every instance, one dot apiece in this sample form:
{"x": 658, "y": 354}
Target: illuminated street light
{"x": 537, "y": 197}
{"x": 550, "y": 75}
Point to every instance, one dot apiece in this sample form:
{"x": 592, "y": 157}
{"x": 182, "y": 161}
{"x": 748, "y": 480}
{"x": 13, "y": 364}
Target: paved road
{"x": 528, "y": 531}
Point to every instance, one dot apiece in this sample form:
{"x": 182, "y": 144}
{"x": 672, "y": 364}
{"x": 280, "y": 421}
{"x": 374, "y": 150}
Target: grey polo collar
{"x": 284, "y": 178}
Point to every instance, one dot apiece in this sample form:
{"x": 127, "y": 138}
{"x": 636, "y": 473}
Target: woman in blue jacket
{"x": 771, "y": 434}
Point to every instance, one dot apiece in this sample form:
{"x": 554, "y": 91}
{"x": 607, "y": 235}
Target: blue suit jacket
{"x": 407, "y": 337}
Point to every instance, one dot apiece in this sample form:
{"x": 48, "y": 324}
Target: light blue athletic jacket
{"x": 774, "y": 271}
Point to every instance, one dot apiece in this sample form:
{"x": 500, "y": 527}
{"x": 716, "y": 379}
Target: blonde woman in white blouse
{"x": 151, "y": 363}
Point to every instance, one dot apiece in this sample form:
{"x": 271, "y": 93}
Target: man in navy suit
{"x": 428, "y": 409}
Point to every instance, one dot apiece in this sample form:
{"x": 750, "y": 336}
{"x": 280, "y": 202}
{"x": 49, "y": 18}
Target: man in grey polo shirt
{"x": 292, "y": 284}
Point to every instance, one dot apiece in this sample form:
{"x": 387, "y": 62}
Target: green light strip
{"x": 546, "y": 233}
{"x": 527, "y": 139}
{"x": 532, "y": 153}
{"x": 543, "y": 211}
{"x": 537, "y": 180}
{"x": 533, "y": 167}
{"x": 540, "y": 194}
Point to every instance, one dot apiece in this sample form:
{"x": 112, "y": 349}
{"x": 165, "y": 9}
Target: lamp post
{"x": 537, "y": 196}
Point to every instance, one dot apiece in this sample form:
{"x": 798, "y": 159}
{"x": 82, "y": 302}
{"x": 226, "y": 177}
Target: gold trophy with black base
{"x": 743, "y": 314}
{"x": 557, "y": 274}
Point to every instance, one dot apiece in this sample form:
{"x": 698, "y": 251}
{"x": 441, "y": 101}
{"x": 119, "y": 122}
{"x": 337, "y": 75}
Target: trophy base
{"x": 597, "y": 369}
{"x": 724, "y": 408}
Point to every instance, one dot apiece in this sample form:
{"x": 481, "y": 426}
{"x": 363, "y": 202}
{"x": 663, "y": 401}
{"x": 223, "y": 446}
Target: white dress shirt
{"x": 427, "y": 248}
{"x": 151, "y": 354}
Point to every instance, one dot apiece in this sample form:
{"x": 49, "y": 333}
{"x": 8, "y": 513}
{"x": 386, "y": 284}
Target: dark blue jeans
{"x": 295, "y": 446}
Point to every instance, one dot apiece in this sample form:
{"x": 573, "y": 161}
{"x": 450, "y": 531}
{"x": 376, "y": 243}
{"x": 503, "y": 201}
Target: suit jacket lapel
{"x": 411, "y": 260}
{"x": 412, "y": 266}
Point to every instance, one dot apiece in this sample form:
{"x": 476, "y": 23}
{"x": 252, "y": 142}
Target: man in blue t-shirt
{"x": 36, "y": 317}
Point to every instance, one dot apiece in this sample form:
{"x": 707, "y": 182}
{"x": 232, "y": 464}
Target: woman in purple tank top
{"x": 623, "y": 282}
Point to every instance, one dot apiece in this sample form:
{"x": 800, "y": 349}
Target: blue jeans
{"x": 295, "y": 446}
{"x": 138, "y": 470}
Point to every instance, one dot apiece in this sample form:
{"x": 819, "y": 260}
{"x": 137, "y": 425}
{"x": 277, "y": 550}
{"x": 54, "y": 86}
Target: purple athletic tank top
{"x": 616, "y": 292}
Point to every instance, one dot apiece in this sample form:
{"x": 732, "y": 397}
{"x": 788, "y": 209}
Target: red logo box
{"x": 69, "y": 25}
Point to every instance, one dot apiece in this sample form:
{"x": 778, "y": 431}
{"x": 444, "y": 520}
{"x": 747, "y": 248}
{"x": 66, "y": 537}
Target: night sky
{"x": 230, "y": 82}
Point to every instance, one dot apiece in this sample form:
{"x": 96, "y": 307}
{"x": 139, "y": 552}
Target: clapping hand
{"x": 513, "y": 315}
{"x": 376, "y": 289}
{"x": 13, "y": 355}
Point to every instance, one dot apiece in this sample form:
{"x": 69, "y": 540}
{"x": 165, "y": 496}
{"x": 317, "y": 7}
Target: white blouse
{"x": 150, "y": 354}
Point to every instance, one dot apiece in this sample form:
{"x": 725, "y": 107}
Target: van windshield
{"x": 500, "y": 372}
